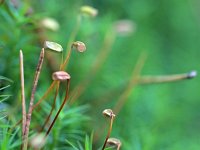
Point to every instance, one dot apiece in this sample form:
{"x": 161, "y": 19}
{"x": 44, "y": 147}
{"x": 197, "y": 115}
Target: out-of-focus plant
{"x": 104, "y": 76}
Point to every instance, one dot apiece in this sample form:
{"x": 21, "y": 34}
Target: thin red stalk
{"x": 22, "y": 95}
{"x": 36, "y": 78}
{"x": 52, "y": 108}
{"x": 64, "y": 101}
{"x": 109, "y": 131}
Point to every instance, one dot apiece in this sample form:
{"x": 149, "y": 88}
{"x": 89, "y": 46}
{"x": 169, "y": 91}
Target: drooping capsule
{"x": 108, "y": 113}
{"x": 60, "y": 76}
{"x": 79, "y": 46}
{"x": 114, "y": 142}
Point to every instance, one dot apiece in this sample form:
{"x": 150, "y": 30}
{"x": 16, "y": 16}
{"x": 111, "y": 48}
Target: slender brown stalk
{"x": 133, "y": 82}
{"x": 18, "y": 123}
{"x": 22, "y": 94}
{"x": 71, "y": 39}
{"x": 36, "y": 78}
{"x": 109, "y": 131}
{"x": 52, "y": 108}
{"x": 45, "y": 94}
{"x": 149, "y": 79}
{"x": 38, "y": 103}
{"x": 166, "y": 78}
{"x": 102, "y": 56}
{"x": 62, "y": 66}
{"x": 61, "y": 107}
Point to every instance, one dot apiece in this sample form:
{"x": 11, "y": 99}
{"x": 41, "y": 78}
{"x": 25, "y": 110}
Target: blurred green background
{"x": 155, "y": 116}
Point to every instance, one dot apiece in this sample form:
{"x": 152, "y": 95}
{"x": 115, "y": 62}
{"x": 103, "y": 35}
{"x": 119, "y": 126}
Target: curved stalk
{"x": 45, "y": 94}
{"x": 52, "y": 108}
{"x": 72, "y": 37}
{"x": 109, "y": 131}
{"x": 61, "y": 107}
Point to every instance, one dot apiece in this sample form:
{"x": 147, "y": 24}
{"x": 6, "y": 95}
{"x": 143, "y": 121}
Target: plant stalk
{"x": 166, "y": 78}
{"x": 52, "y": 108}
{"x": 100, "y": 59}
{"x": 71, "y": 39}
{"x": 132, "y": 83}
{"x": 109, "y": 131}
{"x": 22, "y": 95}
{"x": 45, "y": 94}
{"x": 61, "y": 107}
{"x": 28, "y": 119}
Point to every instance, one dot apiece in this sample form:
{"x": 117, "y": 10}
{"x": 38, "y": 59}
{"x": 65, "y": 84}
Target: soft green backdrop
{"x": 154, "y": 117}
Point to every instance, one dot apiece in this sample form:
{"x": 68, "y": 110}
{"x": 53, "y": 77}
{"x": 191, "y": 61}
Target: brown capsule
{"x": 108, "y": 113}
{"x": 60, "y": 76}
{"x": 79, "y": 46}
{"x": 114, "y": 142}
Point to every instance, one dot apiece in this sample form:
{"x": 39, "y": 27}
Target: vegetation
{"x": 63, "y": 64}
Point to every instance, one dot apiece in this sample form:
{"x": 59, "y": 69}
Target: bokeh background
{"x": 161, "y": 116}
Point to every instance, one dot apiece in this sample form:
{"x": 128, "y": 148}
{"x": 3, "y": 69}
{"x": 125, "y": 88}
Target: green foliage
{"x": 88, "y": 142}
{"x": 8, "y": 138}
{"x": 78, "y": 146}
{"x": 157, "y": 116}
